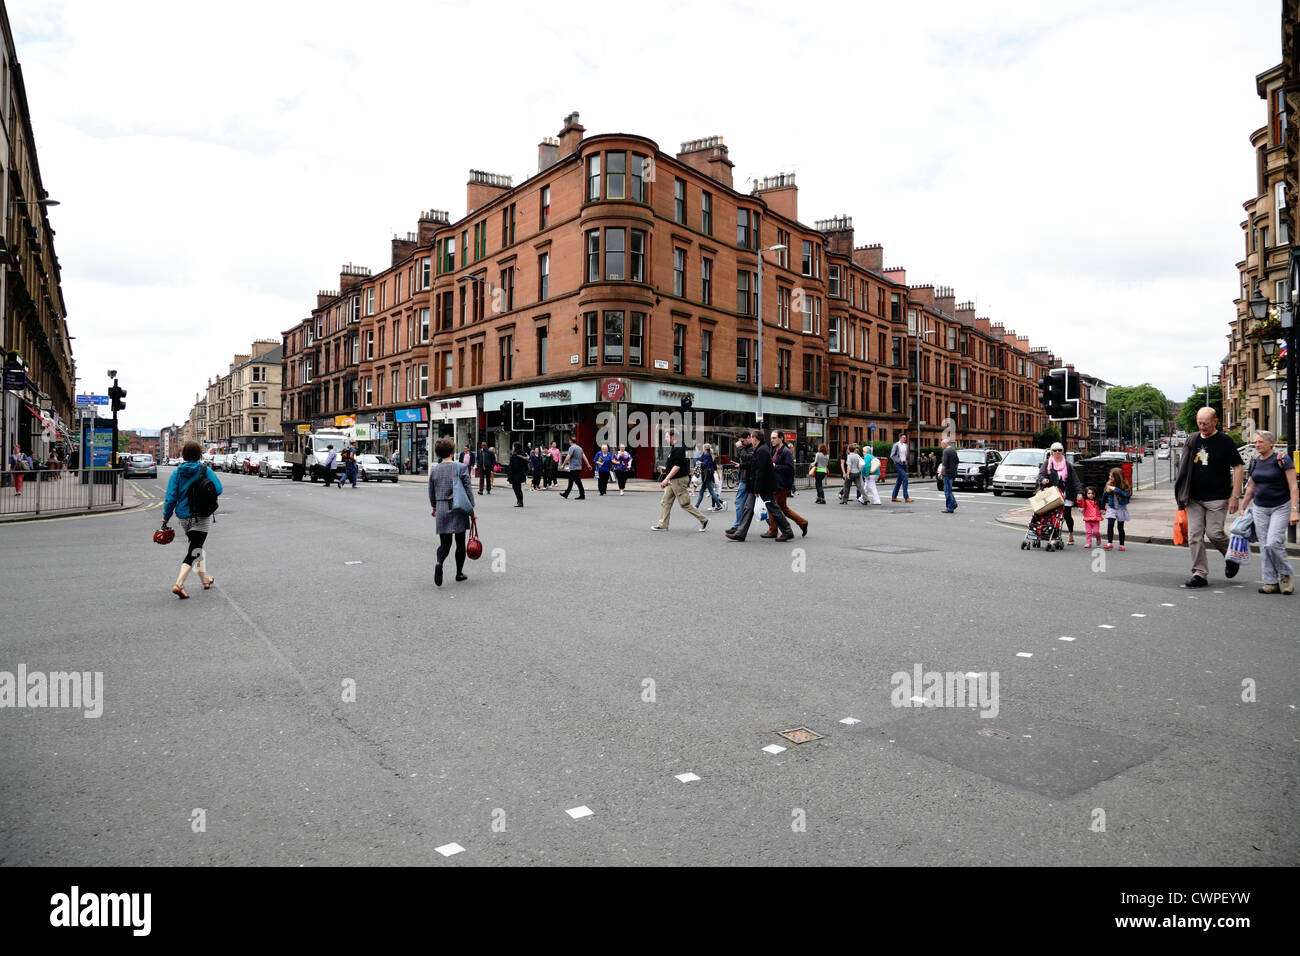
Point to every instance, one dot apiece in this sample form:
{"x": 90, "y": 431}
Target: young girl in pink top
{"x": 1091, "y": 516}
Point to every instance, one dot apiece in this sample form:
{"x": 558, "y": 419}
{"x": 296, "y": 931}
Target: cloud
{"x": 1076, "y": 169}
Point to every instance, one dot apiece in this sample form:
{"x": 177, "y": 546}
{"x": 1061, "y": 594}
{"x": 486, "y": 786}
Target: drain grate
{"x": 799, "y": 735}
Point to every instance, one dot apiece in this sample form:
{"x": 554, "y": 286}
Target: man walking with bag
{"x": 1208, "y": 488}
{"x": 762, "y": 485}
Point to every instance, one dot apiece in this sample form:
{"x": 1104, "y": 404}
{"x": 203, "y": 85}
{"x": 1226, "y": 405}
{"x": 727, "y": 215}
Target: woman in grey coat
{"x": 442, "y": 479}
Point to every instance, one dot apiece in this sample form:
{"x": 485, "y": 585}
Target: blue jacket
{"x": 178, "y": 489}
{"x": 1117, "y": 497}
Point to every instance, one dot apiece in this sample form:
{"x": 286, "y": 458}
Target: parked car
{"x": 173, "y": 462}
{"x": 1018, "y": 471}
{"x": 375, "y": 468}
{"x": 140, "y": 466}
{"x": 273, "y": 465}
{"x": 250, "y": 461}
{"x": 975, "y": 468}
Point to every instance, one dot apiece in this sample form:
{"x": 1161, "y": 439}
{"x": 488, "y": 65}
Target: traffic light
{"x": 506, "y": 408}
{"x": 1045, "y": 394}
{"x": 117, "y": 394}
{"x": 521, "y": 424}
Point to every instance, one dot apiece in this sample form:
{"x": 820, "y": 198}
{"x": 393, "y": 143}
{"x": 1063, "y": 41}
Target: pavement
{"x": 326, "y": 704}
{"x": 1151, "y": 511}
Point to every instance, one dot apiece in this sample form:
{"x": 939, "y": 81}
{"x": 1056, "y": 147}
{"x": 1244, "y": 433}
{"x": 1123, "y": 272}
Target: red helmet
{"x": 164, "y": 536}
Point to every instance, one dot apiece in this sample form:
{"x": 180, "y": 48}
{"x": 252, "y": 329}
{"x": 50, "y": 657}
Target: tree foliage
{"x": 1124, "y": 403}
{"x": 1195, "y": 402}
{"x": 1047, "y": 436}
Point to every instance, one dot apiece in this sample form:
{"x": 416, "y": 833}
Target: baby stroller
{"x": 1045, "y": 527}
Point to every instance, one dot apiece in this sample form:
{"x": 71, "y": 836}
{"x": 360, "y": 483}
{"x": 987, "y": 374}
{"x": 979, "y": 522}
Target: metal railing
{"x": 46, "y": 492}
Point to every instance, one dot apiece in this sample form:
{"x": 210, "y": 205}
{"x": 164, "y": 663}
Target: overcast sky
{"x": 1077, "y": 169}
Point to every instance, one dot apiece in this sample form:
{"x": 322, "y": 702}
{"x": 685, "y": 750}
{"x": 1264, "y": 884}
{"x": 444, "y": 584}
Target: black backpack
{"x": 202, "y": 495}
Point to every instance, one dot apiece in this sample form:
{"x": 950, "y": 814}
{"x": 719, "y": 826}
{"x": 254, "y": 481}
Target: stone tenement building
{"x": 38, "y": 398}
{"x": 619, "y": 277}
{"x": 1247, "y": 371}
{"x": 242, "y": 409}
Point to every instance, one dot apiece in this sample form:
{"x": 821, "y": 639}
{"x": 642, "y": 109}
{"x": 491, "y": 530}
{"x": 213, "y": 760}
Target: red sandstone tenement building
{"x": 620, "y": 278}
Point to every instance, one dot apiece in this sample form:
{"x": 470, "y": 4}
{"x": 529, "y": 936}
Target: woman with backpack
{"x": 184, "y": 491}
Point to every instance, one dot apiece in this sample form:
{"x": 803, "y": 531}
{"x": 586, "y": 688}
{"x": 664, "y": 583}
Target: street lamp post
{"x": 474, "y": 450}
{"x": 1207, "y": 384}
{"x": 776, "y": 248}
{"x": 917, "y": 334}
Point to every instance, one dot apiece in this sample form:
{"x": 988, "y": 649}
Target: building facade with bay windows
{"x": 619, "y": 280}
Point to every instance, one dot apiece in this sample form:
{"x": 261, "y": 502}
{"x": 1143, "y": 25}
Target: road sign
{"x": 92, "y": 399}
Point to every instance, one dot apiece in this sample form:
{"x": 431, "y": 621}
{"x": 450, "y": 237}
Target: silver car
{"x": 140, "y": 466}
{"x": 375, "y": 468}
{"x": 273, "y": 465}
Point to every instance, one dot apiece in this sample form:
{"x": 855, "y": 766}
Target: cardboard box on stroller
{"x": 1049, "y": 499}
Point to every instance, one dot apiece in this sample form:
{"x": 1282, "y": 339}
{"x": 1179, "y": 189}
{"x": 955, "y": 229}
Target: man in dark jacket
{"x": 783, "y": 469}
{"x": 1208, "y": 488}
{"x": 745, "y": 454}
{"x": 763, "y": 485}
{"x": 487, "y": 462}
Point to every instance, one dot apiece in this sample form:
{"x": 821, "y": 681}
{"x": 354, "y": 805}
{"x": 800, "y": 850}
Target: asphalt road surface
{"x": 324, "y": 703}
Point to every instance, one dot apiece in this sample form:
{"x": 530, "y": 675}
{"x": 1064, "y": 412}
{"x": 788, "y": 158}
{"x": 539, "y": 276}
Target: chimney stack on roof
{"x": 870, "y": 257}
{"x": 707, "y": 155}
{"x": 548, "y": 153}
{"x": 570, "y": 135}
{"x": 351, "y": 276}
{"x": 839, "y": 234}
{"x": 780, "y": 193}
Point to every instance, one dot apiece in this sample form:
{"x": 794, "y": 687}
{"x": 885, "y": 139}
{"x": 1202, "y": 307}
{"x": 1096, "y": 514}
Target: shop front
{"x": 638, "y": 413}
{"x": 457, "y": 419}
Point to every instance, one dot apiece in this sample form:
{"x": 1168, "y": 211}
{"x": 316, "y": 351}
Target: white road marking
{"x": 351, "y": 562}
{"x": 1065, "y": 638}
{"x": 773, "y": 749}
{"x": 916, "y": 700}
{"x": 850, "y": 721}
{"x": 1137, "y": 615}
{"x": 450, "y": 849}
{"x": 687, "y": 777}
{"x": 1168, "y": 605}
{"x": 1108, "y": 627}
{"x": 579, "y": 812}
{"x": 1023, "y": 654}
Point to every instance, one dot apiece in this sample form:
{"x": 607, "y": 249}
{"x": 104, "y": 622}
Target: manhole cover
{"x": 800, "y": 735}
{"x": 891, "y": 549}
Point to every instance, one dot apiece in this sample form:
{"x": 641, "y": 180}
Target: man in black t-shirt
{"x": 1208, "y": 487}
{"x": 677, "y": 477}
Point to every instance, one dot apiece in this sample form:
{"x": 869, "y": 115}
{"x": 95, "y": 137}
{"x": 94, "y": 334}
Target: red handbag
{"x": 473, "y": 547}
